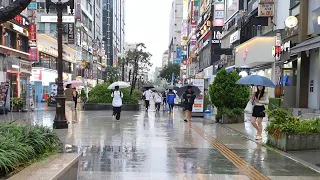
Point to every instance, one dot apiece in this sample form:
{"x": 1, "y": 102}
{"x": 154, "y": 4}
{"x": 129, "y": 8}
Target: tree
{"x": 167, "y": 71}
{"x": 112, "y": 75}
{"x": 122, "y": 62}
{"x": 15, "y": 8}
{"x": 226, "y": 95}
{"x": 140, "y": 61}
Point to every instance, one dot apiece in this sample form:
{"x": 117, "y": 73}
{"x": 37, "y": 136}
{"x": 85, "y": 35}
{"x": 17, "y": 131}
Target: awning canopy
{"x": 306, "y": 45}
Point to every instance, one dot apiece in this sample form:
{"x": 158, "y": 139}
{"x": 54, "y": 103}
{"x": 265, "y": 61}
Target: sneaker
{"x": 185, "y": 120}
{"x": 258, "y": 137}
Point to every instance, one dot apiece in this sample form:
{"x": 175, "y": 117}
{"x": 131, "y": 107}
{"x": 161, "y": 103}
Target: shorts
{"x": 188, "y": 107}
{"x": 70, "y": 106}
{"x": 258, "y": 112}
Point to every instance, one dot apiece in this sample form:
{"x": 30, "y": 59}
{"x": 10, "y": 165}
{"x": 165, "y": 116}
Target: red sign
{"x": 33, "y": 32}
{"x": 33, "y": 54}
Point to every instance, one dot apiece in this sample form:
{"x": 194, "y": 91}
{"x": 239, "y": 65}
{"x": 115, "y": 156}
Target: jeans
{"x": 117, "y": 112}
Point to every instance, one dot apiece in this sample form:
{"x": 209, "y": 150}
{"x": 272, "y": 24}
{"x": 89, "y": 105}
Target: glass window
{"x": 53, "y": 27}
{"x": 41, "y": 5}
{"x": 41, "y": 27}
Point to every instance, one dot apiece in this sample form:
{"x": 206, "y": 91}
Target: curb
{"x": 298, "y": 160}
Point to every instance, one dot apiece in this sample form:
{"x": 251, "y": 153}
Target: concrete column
{"x": 303, "y": 65}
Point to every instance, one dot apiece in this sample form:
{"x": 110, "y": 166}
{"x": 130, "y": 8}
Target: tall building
{"x": 176, "y": 17}
{"x": 113, "y": 29}
{"x": 165, "y": 58}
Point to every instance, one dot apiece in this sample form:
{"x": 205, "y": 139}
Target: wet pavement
{"x": 147, "y": 145}
{"x": 311, "y": 157}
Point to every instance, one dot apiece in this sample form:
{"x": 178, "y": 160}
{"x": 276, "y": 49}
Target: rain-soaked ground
{"x": 150, "y": 145}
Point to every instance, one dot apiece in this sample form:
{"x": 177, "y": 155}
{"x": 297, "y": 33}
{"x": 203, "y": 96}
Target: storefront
{"x": 254, "y": 57}
{"x": 43, "y": 79}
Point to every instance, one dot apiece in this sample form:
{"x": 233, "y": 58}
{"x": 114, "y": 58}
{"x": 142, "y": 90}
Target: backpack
{"x": 119, "y": 91}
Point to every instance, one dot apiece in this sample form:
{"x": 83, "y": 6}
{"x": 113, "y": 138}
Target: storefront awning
{"x": 306, "y": 45}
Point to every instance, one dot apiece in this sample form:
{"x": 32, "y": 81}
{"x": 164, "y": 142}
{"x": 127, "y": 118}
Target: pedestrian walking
{"x": 157, "y": 99}
{"x": 170, "y": 100}
{"x": 70, "y": 105}
{"x": 164, "y": 98}
{"x": 147, "y": 95}
{"x": 75, "y": 99}
{"x": 258, "y": 113}
{"x": 117, "y": 96}
{"x": 188, "y": 97}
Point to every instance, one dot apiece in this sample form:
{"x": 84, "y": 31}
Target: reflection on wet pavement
{"x": 146, "y": 145}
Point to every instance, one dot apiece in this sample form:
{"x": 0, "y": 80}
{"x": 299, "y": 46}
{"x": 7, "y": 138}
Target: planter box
{"x": 295, "y": 142}
{"x": 125, "y": 107}
{"x": 232, "y": 120}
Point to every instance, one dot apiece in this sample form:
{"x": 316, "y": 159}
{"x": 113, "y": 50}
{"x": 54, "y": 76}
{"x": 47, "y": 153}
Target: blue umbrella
{"x": 256, "y": 80}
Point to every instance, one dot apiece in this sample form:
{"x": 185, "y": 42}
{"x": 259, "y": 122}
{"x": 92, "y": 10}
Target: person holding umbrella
{"x": 157, "y": 99}
{"x": 258, "y": 110}
{"x": 147, "y": 95}
{"x": 188, "y": 97}
{"x": 116, "y": 102}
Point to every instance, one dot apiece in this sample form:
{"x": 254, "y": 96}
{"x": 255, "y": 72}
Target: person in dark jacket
{"x": 188, "y": 98}
{"x": 170, "y": 100}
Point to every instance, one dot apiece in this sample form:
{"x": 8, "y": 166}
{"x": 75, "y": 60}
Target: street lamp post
{"x": 60, "y": 121}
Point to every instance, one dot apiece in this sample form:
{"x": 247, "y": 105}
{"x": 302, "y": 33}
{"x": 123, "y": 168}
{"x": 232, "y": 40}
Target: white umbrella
{"x": 121, "y": 84}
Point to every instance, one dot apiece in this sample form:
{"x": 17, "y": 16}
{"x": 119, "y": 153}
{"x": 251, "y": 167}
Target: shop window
{"x": 41, "y": 27}
{"x": 23, "y": 43}
{"x": 53, "y": 28}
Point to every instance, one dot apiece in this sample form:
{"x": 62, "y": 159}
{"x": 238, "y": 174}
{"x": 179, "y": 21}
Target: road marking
{"x": 245, "y": 167}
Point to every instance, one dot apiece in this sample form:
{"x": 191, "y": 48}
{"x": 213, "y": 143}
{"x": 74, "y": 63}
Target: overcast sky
{"x": 147, "y": 21}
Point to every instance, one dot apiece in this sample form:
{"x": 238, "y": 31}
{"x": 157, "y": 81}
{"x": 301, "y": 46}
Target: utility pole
{"x": 60, "y": 121}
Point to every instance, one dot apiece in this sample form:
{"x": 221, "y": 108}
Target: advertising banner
{"x": 33, "y": 51}
{"x": 198, "y": 102}
{"x": 33, "y": 32}
{"x": 78, "y": 10}
{"x": 71, "y": 33}
{"x": 266, "y": 10}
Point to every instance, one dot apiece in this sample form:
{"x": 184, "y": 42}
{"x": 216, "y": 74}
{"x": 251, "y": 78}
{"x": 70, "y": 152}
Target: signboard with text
{"x": 198, "y": 102}
{"x": 71, "y": 33}
{"x": 266, "y": 10}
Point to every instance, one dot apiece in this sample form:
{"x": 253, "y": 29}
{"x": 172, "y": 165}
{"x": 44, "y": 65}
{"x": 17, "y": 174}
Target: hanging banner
{"x": 71, "y": 33}
{"x": 198, "y": 102}
{"x": 33, "y": 51}
{"x": 32, "y": 32}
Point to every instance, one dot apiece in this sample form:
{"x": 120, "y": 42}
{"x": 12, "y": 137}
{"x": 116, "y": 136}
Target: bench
{"x": 64, "y": 166}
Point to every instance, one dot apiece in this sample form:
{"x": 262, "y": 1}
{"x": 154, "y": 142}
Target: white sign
{"x": 18, "y": 28}
{"x": 198, "y": 102}
{"x": 292, "y": 21}
{"x": 65, "y": 19}
{"x": 234, "y": 37}
{"x": 219, "y": 14}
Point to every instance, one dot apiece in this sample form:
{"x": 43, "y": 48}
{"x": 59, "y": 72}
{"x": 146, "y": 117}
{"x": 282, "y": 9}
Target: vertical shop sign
{"x": 33, "y": 32}
{"x": 198, "y": 102}
{"x": 71, "y": 33}
{"x": 33, "y": 54}
{"x": 78, "y": 10}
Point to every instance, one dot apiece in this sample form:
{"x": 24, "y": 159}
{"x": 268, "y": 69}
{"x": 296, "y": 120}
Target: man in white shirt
{"x": 147, "y": 94}
{"x": 117, "y": 102}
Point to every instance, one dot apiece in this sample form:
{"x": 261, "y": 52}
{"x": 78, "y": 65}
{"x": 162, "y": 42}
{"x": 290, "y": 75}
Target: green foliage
{"x": 231, "y": 112}
{"x": 206, "y": 101}
{"x": 21, "y": 144}
{"x": 101, "y": 94}
{"x": 226, "y": 94}
{"x": 16, "y": 103}
{"x": 112, "y": 75}
{"x": 282, "y": 121}
{"x": 167, "y": 71}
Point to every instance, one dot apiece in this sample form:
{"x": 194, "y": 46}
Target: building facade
{"x": 113, "y": 19}
{"x": 176, "y": 17}
{"x": 165, "y": 58}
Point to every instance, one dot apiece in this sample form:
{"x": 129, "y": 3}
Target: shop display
{"x": 4, "y": 86}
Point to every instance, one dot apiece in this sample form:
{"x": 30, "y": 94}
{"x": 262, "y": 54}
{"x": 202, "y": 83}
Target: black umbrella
{"x": 148, "y": 86}
{"x": 183, "y": 89}
{"x": 173, "y": 87}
